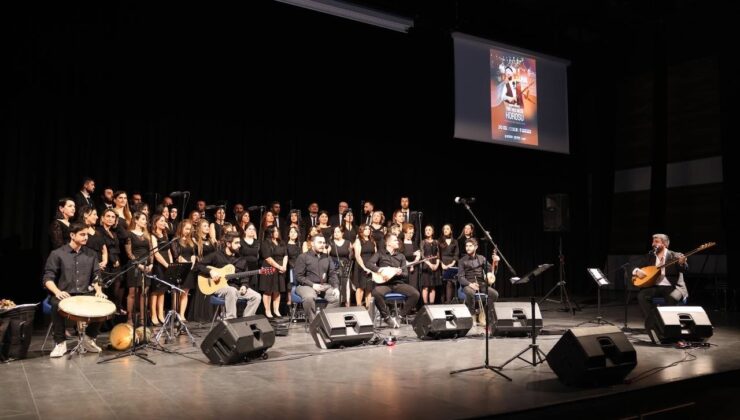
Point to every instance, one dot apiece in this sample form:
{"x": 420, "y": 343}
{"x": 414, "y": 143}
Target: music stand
{"x": 174, "y": 273}
{"x": 538, "y": 356}
{"x": 601, "y": 281}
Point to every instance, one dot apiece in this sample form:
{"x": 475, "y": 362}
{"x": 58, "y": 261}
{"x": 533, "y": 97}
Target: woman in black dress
{"x": 348, "y": 223}
{"x": 410, "y": 250}
{"x": 162, "y": 260}
{"x": 430, "y": 277}
{"x": 250, "y": 250}
{"x": 448, "y": 255}
{"x": 242, "y": 220}
{"x": 59, "y": 228}
{"x": 340, "y": 251}
{"x": 183, "y": 251}
{"x": 324, "y": 228}
{"x": 138, "y": 243}
{"x": 377, "y": 229}
{"x": 294, "y": 220}
{"x": 217, "y": 227}
{"x": 95, "y": 242}
{"x": 364, "y": 248}
{"x": 294, "y": 250}
{"x": 274, "y": 254}
{"x": 107, "y": 232}
{"x": 268, "y": 220}
{"x": 201, "y": 309}
{"x": 467, "y": 233}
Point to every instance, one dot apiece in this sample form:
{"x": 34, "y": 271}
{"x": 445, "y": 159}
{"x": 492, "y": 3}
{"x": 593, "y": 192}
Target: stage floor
{"x": 409, "y": 380}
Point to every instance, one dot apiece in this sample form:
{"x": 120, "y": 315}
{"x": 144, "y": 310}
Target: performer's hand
{"x": 62, "y": 295}
{"x": 100, "y": 294}
{"x": 641, "y": 274}
{"x": 243, "y": 290}
{"x": 102, "y": 265}
{"x": 215, "y": 275}
{"x": 317, "y": 287}
{"x": 681, "y": 259}
{"x": 474, "y": 286}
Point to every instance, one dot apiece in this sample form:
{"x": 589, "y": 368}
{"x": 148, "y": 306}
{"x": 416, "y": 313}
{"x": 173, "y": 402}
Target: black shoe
{"x": 390, "y": 321}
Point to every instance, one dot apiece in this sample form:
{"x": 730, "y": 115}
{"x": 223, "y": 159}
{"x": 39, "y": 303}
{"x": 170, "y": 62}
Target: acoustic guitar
{"x": 208, "y": 286}
{"x": 386, "y": 273}
{"x": 653, "y": 272}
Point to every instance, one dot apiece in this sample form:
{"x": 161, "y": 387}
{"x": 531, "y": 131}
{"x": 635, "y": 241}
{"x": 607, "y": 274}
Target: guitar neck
{"x": 240, "y": 275}
{"x": 688, "y": 254}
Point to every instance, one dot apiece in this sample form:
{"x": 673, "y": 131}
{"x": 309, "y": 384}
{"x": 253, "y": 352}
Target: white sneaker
{"x": 59, "y": 350}
{"x": 89, "y": 345}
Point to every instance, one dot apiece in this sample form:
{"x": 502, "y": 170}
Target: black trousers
{"x": 58, "y": 320}
{"x": 412, "y": 297}
{"x": 646, "y": 295}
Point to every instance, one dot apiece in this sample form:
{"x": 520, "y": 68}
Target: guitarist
{"x": 398, "y": 282}
{"x": 472, "y": 271}
{"x": 229, "y": 254}
{"x": 670, "y": 284}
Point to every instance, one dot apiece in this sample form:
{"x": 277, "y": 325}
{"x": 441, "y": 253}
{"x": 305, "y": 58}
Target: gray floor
{"x": 299, "y": 380}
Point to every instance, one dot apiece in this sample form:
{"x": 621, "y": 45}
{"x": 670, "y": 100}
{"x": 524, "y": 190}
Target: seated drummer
{"x": 72, "y": 269}
{"x": 472, "y": 275}
{"x": 227, "y": 254}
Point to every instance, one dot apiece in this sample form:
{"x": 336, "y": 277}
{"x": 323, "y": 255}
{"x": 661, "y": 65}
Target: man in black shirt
{"x": 316, "y": 276}
{"x": 72, "y": 269}
{"x": 472, "y": 273}
{"x": 229, "y": 254}
{"x": 396, "y": 282}
{"x": 84, "y": 196}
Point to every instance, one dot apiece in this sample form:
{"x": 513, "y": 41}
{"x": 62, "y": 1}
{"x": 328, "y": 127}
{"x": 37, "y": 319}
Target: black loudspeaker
{"x": 555, "y": 213}
{"x": 668, "y": 324}
{"x": 238, "y": 339}
{"x": 592, "y": 356}
{"x": 443, "y": 321}
{"x": 515, "y": 318}
{"x": 339, "y": 327}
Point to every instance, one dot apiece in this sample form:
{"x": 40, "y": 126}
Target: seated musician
{"x": 316, "y": 276}
{"x": 472, "y": 272}
{"x": 396, "y": 281}
{"x": 72, "y": 269}
{"x": 225, "y": 255}
{"x": 670, "y": 284}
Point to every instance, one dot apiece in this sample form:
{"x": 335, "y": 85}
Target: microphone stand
{"x": 134, "y": 350}
{"x": 488, "y": 237}
{"x": 168, "y": 326}
{"x": 484, "y": 289}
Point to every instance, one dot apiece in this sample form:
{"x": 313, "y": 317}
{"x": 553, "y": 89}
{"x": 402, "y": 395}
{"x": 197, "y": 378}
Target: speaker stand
{"x": 538, "y": 356}
{"x": 486, "y": 365}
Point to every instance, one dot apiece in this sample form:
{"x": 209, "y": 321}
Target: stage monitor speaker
{"x": 592, "y": 356}
{"x": 555, "y": 213}
{"x": 339, "y": 327}
{"x": 515, "y": 318}
{"x": 238, "y": 339}
{"x": 443, "y": 321}
{"x": 668, "y": 324}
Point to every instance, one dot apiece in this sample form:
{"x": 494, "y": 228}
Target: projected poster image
{"x": 513, "y": 98}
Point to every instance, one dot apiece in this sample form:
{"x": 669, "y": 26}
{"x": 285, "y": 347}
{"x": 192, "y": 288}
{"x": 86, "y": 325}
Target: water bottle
{"x": 371, "y": 308}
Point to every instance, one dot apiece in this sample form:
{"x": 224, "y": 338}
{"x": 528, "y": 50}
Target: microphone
{"x": 179, "y": 193}
{"x": 462, "y": 200}
{"x": 653, "y": 250}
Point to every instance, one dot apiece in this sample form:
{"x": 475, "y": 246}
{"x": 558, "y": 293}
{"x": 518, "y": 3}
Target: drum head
{"x": 87, "y": 308}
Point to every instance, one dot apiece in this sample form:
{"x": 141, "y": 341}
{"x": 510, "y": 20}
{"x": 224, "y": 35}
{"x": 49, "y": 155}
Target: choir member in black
{"x": 237, "y": 210}
{"x": 338, "y": 219}
{"x": 391, "y": 266}
{"x": 105, "y": 201}
{"x": 279, "y": 221}
{"x": 88, "y": 216}
{"x": 410, "y": 250}
{"x": 448, "y": 255}
{"x": 165, "y": 211}
{"x": 410, "y": 216}
{"x": 201, "y": 309}
{"x": 141, "y": 207}
{"x": 228, "y": 253}
{"x": 472, "y": 276}
{"x": 316, "y": 276}
{"x": 194, "y": 218}
{"x": 136, "y": 198}
{"x": 250, "y": 250}
{"x": 184, "y": 251}
{"x": 364, "y": 249}
{"x": 274, "y": 254}
{"x": 242, "y": 220}
{"x": 120, "y": 206}
{"x": 200, "y": 207}
{"x": 294, "y": 220}
{"x": 162, "y": 260}
{"x": 430, "y": 277}
{"x": 340, "y": 251}
{"x": 313, "y": 216}
{"x": 293, "y": 247}
{"x": 268, "y": 220}
{"x": 84, "y": 196}
{"x": 167, "y": 201}
{"x": 70, "y": 270}
{"x": 59, "y": 228}
{"x": 350, "y": 230}
{"x": 323, "y": 225}
{"x": 112, "y": 245}
{"x": 368, "y": 208}
{"x": 174, "y": 213}
{"x": 217, "y": 227}
{"x": 397, "y": 220}
{"x": 378, "y": 229}
{"x": 138, "y": 243}
{"x": 467, "y": 233}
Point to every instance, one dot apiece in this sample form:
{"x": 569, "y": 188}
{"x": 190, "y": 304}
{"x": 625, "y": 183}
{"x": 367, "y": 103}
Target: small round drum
{"x": 86, "y": 308}
{"x": 121, "y": 336}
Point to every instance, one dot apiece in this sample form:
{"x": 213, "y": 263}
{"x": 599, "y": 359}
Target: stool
{"x": 46, "y": 309}
{"x": 296, "y": 300}
{"x": 477, "y": 302}
{"x": 396, "y": 298}
{"x": 220, "y": 304}
{"x": 660, "y": 301}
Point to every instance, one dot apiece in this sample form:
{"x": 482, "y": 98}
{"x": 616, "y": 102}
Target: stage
{"x": 409, "y": 380}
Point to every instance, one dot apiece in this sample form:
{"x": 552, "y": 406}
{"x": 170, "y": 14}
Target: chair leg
{"x": 215, "y": 314}
{"x": 48, "y": 332}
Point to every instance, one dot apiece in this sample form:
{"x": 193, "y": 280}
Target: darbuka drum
{"x": 121, "y": 336}
{"x": 86, "y": 308}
